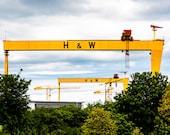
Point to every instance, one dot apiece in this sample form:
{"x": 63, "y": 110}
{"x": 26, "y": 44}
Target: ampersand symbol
{"x": 78, "y": 46}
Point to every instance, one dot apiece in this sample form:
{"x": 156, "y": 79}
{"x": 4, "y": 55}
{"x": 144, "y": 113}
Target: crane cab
{"x": 126, "y": 35}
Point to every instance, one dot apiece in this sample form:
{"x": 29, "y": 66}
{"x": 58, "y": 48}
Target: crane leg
{"x": 6, "y": 63}
{"x": 59, "y": 92}
{"x": 156, "y": 56}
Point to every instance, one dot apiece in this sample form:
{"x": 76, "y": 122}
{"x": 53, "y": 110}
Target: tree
{"x": 62, "y": 120}
{"x": 164, "y": 109}
{"x": 78, "y": 115}
{"x": 13, "y": 102}
{"x": 48, "y": 120}
{"x": 161, "y": 127}
{"x": 99, "y": 122}
{"x": 136, "y": 131}
{"x": 142, "y": 98}
{"x": 124, "y": 126}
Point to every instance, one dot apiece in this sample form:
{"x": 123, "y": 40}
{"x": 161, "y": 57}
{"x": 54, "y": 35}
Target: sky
{"x": 77, "y": 20}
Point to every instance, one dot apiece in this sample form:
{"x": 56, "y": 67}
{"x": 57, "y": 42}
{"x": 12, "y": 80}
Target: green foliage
{"x": 1, "y": 128}
{"x": 46, "y": 120}
{"x": 110, "y": 106}
{"x": 142, "y": 99}
{"x": 164, "y": 109}
{"x": 63, "y": 120}
{"x": 14, "y": 102}
{"x": 99, "y": 122}
{"x": 137, "y": 131}
{"x": 78, "y": 115}
{"x": 94, "y": 105}
{"x": 124, "y": 127}
{"x": 161, "y": 127}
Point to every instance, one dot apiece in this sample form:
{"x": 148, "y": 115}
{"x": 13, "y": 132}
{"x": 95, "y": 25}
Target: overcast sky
{"x": 80, "y": 19}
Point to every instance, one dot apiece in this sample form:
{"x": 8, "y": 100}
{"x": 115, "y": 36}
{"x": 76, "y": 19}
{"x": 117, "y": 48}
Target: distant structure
{"x": 53, "y": 104}
{"x": 48, "y": 89}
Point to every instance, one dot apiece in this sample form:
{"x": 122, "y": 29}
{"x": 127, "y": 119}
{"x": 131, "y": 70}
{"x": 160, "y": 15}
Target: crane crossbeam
{"x": 77, "y": 45}
{"x": 93, "y": 80}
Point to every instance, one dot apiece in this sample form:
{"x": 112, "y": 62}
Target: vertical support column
{"x": 6, "y": 63}
{"x": 58, "y": 92}
{"x": 47, "y": 94}
{"x": 154, "y": 33}
{"x": 156, "y": 56}
{"x": 125, "y": 84}
{"x": 105, "y": 92}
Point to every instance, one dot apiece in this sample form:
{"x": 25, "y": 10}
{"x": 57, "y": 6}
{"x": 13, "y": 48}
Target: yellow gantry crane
{"x": 93, "y": 80}
{"x": 48, "y": 89}
{"x": 127, "y": 43}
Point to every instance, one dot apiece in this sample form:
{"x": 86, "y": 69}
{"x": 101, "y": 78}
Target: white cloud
{"x": 61, "y": 72}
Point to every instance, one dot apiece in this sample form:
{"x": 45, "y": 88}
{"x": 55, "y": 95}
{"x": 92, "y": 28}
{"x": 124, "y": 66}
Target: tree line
{"x": 143, "y": 109}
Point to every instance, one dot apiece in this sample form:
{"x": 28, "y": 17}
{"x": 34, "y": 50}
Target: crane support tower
{"x": 155, "y": 46}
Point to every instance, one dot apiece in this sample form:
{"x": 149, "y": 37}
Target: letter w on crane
{"x": 91, "y": 44}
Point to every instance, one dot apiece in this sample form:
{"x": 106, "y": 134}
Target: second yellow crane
{"x": 48, "y": 89}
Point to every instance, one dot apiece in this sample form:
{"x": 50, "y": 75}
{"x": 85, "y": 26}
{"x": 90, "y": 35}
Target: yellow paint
{"x": 91, "y": 80}
{"x": 63, "y": 45}
{"x": 155, "y": 46}
{"x": 6, "y": 63}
